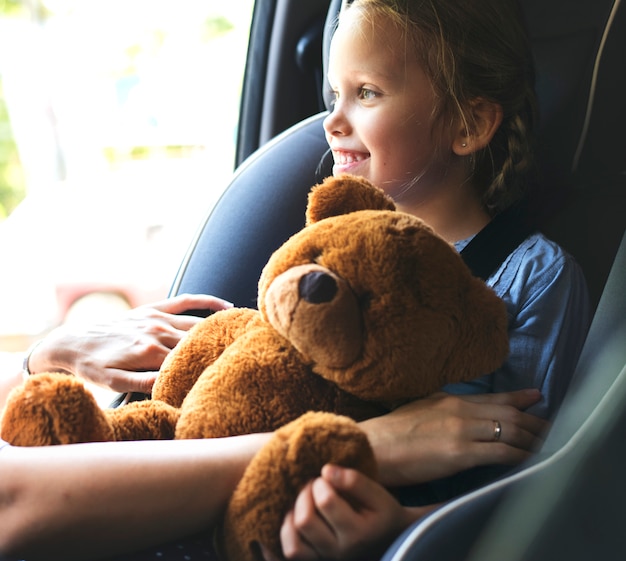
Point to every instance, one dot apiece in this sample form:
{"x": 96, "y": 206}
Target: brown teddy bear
{"x": 364, "y": 309}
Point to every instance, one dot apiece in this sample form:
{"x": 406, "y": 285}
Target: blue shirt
{"x": 549, "y": 314}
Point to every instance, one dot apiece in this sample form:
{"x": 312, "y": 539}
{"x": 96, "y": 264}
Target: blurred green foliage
{"x": 10, "y": 7}
{"x": 12, "y": 185}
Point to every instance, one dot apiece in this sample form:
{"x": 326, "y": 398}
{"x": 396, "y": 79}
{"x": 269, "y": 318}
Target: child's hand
{"x": 343, "y": 514}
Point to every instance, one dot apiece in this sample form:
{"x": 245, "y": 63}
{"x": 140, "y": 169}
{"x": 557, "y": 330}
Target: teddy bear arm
{"x": 248, "y": 389}
{"x": 200, "y": 348}
{"x": 55, "y": 408}
{"x": 258, "y": 384}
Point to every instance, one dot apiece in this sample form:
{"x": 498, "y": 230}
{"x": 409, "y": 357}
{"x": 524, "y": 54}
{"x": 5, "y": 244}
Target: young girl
{"x": 434, "y": 103}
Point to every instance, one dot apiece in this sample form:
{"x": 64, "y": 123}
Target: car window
{"x": 118, "y": 124}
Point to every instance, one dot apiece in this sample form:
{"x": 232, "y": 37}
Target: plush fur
{"x": 362, "y": 310}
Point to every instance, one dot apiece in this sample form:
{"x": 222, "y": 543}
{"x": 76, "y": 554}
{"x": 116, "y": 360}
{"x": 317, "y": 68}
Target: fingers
{"x": 124, "y": 355}
{"x": 178, "y": 313}
{"x": 521, "y": 399}
{"x": 507, "y": 408}
{"x": 185, "y": 302}
{"x": 521, "y": 430}
{"x": 341, "y": 514}
{"x": 309, "y": 530}
{"x": 266, "y": 554}
{"x": 302, "y": 527}
{"x": 359, "y": 490}
{"x": 335, "y": 508}
{"x": 479, "y": 446}
{"x": 476, "y": 441}
{"x": 507, "y": 424}
{"x": 486, "y": 453}
{"x": 124, "y": 381}
{"x": 494, "y": 422}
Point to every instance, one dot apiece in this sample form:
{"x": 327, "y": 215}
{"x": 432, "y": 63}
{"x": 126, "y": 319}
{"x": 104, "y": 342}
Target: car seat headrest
{"x": 569, "y": 48}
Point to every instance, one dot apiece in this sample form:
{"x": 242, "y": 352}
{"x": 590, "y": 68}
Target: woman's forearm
{"x": 88, "y": 500}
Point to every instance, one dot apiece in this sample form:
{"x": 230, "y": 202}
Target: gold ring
{"x": 497, "y": 430}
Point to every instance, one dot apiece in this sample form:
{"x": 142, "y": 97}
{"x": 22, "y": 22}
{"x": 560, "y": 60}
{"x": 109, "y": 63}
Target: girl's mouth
{"x": 345, "y": 160}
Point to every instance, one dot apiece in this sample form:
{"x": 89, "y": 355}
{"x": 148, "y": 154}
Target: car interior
{"x": 568, "y": 501}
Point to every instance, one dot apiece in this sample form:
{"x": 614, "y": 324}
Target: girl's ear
{"x": 484, "y": 120}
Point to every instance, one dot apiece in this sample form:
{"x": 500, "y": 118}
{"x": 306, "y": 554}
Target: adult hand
{"x": 124, "y": 354}
{"x": 444, "y": 434}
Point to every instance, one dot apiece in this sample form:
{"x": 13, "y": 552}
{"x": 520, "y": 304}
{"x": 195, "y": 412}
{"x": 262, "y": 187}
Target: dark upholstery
{"x": 579, "y": 48}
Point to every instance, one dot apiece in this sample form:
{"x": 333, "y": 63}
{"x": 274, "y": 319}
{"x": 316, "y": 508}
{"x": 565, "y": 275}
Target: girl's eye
{"x": 333, "y": 97}
{"x": 367, "y": 94}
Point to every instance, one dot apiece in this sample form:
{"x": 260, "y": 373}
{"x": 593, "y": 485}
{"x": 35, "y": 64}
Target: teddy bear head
{"x": 378, "y": 303}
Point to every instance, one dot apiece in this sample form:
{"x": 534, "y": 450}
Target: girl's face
{"x": 381, "y": 127}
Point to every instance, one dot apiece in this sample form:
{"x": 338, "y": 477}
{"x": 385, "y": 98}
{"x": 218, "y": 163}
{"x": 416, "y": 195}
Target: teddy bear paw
{"x": 53, "y": 408}
{"x": 270, "y": 485}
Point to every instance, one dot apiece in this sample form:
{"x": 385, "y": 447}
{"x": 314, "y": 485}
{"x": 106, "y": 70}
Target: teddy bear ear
{"x": 345, "y": 194}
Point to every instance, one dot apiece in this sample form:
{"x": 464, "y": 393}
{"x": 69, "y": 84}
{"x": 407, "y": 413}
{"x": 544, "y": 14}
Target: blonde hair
{"x": 472, "y": 50}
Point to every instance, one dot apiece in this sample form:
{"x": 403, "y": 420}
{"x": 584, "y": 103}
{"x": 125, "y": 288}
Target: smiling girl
{"x": 434, "y": 103}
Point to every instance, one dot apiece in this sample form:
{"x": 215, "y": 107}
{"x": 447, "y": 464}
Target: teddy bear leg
{"x": 51, "y": 409}
{"x": 272, "y": 481}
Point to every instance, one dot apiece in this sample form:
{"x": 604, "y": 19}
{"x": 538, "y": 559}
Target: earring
{"x": 464, "y": 144}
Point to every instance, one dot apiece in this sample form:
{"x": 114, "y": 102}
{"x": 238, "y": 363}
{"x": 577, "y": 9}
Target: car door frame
{"x": 284, "y": 70}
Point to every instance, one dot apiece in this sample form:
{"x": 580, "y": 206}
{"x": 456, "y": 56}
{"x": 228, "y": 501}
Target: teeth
{"x": 347, "y": 158}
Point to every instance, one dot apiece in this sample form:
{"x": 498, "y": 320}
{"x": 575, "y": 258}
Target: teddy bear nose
{"x": 317, "y": 287}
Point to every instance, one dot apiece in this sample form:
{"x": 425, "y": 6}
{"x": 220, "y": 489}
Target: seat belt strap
{"x": 491, "y": 246}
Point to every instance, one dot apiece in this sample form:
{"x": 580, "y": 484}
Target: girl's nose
{"x": 336, "y": 123}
